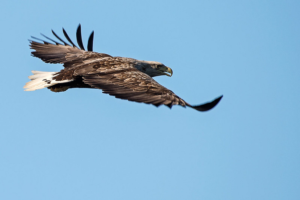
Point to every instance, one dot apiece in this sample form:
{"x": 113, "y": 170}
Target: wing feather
{"x": 57, "y": 43}
{"x": 90, "y": 42}
{"x": 70, "y": 56}
{"x": 79, "y": 37}
{"x": 68, "y": 38}
{"x": 66, "y": 44}
{"x": 45, "y": 42}
{"x": 207, "y": 106}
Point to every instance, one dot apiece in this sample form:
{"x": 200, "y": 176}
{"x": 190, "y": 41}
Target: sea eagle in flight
{"x": 124, "y": 78}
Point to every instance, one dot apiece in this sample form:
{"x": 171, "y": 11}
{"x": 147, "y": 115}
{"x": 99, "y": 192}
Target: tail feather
{"x": 40, "y": 80}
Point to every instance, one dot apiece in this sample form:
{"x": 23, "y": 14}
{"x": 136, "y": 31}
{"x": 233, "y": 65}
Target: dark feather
{"x": 66, "y": 35}
{"x": 169, "y": 105}
{"x": 59, "y": 38}
{"x": 207, "y": 106}
{"x": 45, "y": 42}
{"x": 90, "y": 42}
{"x": 57, "y": 43}
{"x": 79, "y": 37}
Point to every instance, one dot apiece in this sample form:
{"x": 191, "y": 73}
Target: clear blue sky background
{"x": 82, "y": 144}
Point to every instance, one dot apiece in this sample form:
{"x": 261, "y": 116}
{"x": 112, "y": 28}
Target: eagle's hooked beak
{"x": 169, "y": 70}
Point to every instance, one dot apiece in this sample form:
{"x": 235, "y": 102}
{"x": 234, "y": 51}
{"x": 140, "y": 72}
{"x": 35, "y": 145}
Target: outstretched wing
{"x": 133, "y": 85}
{"x": 64, "y": 53}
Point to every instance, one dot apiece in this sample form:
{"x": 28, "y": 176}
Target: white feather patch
{"x": 40, "y": 80}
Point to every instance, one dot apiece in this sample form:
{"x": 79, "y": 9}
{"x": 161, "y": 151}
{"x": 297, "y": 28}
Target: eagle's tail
{"x": 40, "y": 80}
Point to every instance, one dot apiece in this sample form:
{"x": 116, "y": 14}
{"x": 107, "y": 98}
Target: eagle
{"x": 124, "y": 78}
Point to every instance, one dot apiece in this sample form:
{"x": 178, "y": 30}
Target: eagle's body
{"x": 124, "y": 78}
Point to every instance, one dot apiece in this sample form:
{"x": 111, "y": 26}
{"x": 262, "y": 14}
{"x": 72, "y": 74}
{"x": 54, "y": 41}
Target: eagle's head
{"x": 153, "y": 68}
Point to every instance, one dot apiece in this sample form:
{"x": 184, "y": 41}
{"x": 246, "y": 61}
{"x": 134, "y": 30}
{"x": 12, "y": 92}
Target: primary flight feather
{"x": 124, "y": 78}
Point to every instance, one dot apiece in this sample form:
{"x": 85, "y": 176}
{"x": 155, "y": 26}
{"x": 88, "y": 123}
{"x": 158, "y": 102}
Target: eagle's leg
{"x": 77, "y": 83}
{"x": 59, "y": 88}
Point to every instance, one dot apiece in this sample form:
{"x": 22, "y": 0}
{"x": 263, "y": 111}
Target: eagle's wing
{"x": 134, "y": 85}
{"x": 65, "y": 53}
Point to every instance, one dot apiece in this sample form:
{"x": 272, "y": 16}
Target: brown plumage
{"x": 124, "y": 78}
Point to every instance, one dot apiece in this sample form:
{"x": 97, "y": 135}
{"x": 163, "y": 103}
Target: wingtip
{"x": 208, "y": 106}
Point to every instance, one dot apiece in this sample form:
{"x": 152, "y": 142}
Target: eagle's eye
{"x": 159, "y": 66}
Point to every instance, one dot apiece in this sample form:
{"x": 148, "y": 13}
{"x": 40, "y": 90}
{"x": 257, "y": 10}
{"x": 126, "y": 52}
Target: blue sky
{"x": 82, "y": 144}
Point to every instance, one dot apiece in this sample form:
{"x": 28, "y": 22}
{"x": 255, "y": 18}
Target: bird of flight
{"x": 124, "y": 78}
